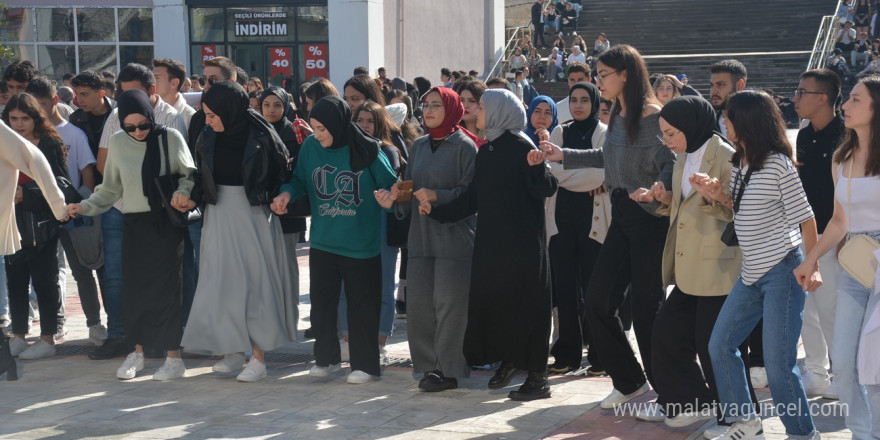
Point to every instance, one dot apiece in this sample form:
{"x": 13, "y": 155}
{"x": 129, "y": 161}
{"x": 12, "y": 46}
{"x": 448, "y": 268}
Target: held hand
{"x": 181, "y": 202}
{"x": 19, "y": 194}
{"x": 424, "y": 208}
{"x": 425, "y": 195}
{"x": 598, "y": 191}
{"x": 707, "y": 186}
{"x": 535, "y": 157}
{"x": 279, "y": 204}
{"x": 73, "y": 209}
{"x": 395, "y": 190}
{"x": 642, "y": 195}
{"x": 808, "y": 276}
{"x": 384, "y": 198}
{"x": 660, "y": 194}
{"x": 551, "y": 151}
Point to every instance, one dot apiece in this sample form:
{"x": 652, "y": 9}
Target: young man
{"x": 727, "y": 77}
{"x": 569, "y": 18}
{"x": 815, "y": 100}
{"x": 577, "y": 72}
{"x": 94, "y": 107}
{"x": 846, "y": 37}
{"x": 81, "y": 167}
{"x": 446, "y": 77}
{"x": 18, "y": 74}
{"x": 217, "y": 69}
{"x": 515, "y": 86}
{"x": 383, "y": 76}
{"x": 170, "y": 77}
{"x": 538, "y": 23}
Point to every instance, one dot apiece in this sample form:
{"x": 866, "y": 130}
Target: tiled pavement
{"x": 72, "y": 397}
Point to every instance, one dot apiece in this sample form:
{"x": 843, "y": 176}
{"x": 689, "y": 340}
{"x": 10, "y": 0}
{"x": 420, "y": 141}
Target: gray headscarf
{"x": 504, "y": 112}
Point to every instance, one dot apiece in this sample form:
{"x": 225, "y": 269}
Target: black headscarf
{"x": 285, "y": 101}
{"x": 579, "y": 134}
{"x": 694, "y": 116}
{"x": 335, "y": 115}
{"x": 231, "y": 104}
{"x": 137, "y": 102}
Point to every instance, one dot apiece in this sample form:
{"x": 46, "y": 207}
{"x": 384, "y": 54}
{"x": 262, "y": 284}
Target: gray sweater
{"x": 448, "y": 172}
{"x": 629, "y": 163}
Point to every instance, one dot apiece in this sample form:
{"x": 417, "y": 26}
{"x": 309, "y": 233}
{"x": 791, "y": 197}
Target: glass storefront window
{"x": 16, "y": 25}
{"x": 260, "y": 24}
{"x": 135, "y": 24}
{"x": 55, "y": 61}
{"x": 96, "y": 24}
{"x": 196, "y": 51}
{"x": 135, "y": 54}
{"x": 312, "y": 24}
{"x": 97, "y": 58}
{"x": 55, "y": 24}
{"x": 206, "y": 24}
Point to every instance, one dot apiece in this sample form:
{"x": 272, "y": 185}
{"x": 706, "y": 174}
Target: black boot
{"x": 7, "y": 362}
{"x": 503, "y": 376}
{"x": 535, "y": 387}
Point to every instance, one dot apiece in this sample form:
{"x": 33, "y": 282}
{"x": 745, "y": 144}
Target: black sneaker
{"x": 401, "y": 308}
{"x": 535, "y": 387}
{"x": 112, "y": 348}
{"x": 435, "y": 381}
{"x": 308, "y": 334}
{"x": 596, "y": 372}
{"x": 559, "y": 368}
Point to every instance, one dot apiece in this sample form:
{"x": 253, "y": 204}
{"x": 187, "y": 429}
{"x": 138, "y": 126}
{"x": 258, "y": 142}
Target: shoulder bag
{"x": 728, "y": 237}
{"x": 857, "y": 256}
{"x": 166, "y": 185}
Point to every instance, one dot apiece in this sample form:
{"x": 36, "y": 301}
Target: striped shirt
{"x": 768, "y": 221}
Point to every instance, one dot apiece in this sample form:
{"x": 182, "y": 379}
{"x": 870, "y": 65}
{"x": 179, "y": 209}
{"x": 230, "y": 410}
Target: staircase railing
{"x": 515, "y": 35}
{"x": 825, "y": 39}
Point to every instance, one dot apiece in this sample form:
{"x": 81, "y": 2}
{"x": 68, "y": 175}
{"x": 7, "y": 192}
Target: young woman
{"x": 360, "y": 88}
{"x": 554, "y": 65}
{"x": 320, "y": 88}
{"x": 255, "y": 85}
{"x": 410, "y": 129}
{"x": 542, "y": 119}
{"x": 339, "y": 167}
{"x": 633, "y": 157}
{"x": 470, "y": 93}
{"x": 441, "y": 166}
{"x": 772, "y": 217}
{"x": 38, "y": 263}
{"x": 517, "y": 60}
{"x": 665, "y": 90}
{"x": 856, "y": 172}
{"x": 579, "y": 41}
{"x": 695, "y": 261}
{"x": 509, "y": 300}
{"x": 601, "y": 44}
{"x": 576, "y": 225}
{"x": 536, "y": 67}
{"x": 151, "y": 247}
{"x": 862, "y": 16}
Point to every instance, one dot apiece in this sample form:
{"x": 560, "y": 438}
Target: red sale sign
{"x": 208, "y": 52}
{"x": 279, "y": 60}
{"x": 315, "y": 59}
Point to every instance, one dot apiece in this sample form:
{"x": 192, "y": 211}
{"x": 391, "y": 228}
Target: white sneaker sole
{"x": 681, "y": 422}
{"x": 611, "y": 405}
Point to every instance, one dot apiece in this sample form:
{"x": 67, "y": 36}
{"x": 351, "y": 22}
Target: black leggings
{"x": 42, "y": 268}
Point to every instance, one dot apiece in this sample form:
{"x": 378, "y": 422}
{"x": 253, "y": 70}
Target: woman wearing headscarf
{"x": 441, "y": 166}
{"x": 509, "y": 301}
{"x": 339, "y": 167}
{"x": 542, "y": 119}
{"x": 577, "y": 222}
{"x": 243, "y": 300}
{"x": 151, "y": 247}
{"x": 701, "y": 267}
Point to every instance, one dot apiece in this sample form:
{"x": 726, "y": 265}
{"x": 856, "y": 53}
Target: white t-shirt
{"x": 79, "y": 154}
{"x": 577, "y": 58}
{"x": 848, "y": 37}
{"x": 691, "y": 166}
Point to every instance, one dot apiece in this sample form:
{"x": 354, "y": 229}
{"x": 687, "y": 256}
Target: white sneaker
{"x": 317, "y": 371}
{"x": 134, "y": 362}
{"x": 173, "y": 368}
{"x": 343, "y": 350}
{"x": 253, "y": 371}
{"x": 38, "y": 350}
{"x": 358, "y": 376}
{"x": 97, "y": 334}
{"x": 17, "y": 345}
{"x": 829, "y": 393}
{"x": 35, "y": 307}
{"x": 815, "y": 384}
{"x": 688, "y": 418}
{"x": 616, "y": 397}
{"x": 652, "y": 412}
{"x": 383, "y": 356}
{"x": 715, "y": 431}
{"x": 748, "y": 430}
{"x": 229, "y": 363}
{"x": 61, "y": 335}
{"x": 759, "y": 377}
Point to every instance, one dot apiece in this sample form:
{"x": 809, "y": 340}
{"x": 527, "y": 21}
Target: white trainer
{"x": 343, "y": 350}
{"x": 317, "y": 371}
{"x": 358, "y": 377}
{"x": 97, "y": 334}
{"x": 253, "y": 371}
{"x": 617, "y": 398}
{"x": 383, "y": 356}
{"x": 714, "y": 431}
{"x": 746, "y": 430}
{"x": 38, "y": 350}
{"x": 830, "y": 393}
{"x": 229, "y": 363}
{"x": 815, "y": 384}
{"x": 173, "y": 368}
{"x": 688, "y": 418}
{"x": 17, "y": 345}
{"x": 758, "y": 376}
{"x": 134, "y": 362}
{"x": 652, "y": 412}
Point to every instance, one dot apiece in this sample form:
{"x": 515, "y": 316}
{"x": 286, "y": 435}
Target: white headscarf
{"x": 397, "y": 112}
{"x": 504, "y": 113}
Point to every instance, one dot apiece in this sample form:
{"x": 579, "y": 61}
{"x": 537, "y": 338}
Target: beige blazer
{"x": 17, "y": 153}
{"x": 694, "y": 258}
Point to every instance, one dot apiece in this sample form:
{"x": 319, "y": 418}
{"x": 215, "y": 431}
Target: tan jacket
{"x": 694, "y": 258}
{"x": 16, "y": 153}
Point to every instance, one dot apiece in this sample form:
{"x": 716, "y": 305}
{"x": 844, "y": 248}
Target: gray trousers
{"x": 437, "y": 310}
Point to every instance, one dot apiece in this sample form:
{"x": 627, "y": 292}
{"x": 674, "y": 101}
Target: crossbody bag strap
{"x": 741, "y": 190}
{"x": 165, "y": 151}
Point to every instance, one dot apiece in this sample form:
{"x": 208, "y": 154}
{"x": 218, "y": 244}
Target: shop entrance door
{"x": 250, "y": 58}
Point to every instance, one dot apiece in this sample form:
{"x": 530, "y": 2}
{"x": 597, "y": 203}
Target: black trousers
{"x": 539, "y": 32}
{"x": 41, "y": 266}
{"x": 633, "y": 249}
{"x": 681, "y": 336}
{"x": 363, "y": 294}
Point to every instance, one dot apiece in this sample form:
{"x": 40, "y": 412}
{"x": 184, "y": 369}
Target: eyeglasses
{"x": 602, "y": 77}
{"x": 211, "y": 80}
{"x": 663, "y": 138}
{"x": 146, "y": 126}
{"x": 432, "y": 107}
{"x": 801, "y": 92}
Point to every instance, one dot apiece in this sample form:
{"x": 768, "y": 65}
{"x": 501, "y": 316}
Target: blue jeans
{"x": 853, "y": 299}
{"x": 191, "y": 247}
{"x": 111, "y": 227}
{"x": 4, "y": 296}
{"x": 779, "y": 299}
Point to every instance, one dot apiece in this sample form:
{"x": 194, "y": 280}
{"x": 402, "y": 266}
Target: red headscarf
{"x": 454, "y": 111}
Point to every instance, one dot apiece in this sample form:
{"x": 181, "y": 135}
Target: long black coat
{"x": 509, "y": 306}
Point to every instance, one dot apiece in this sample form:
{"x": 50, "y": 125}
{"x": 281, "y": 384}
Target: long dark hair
{"x": 384, "y": 126}
{"x": 759, "y": 128}
{"x": 28, "y": 105}
{"x": 637, "y": 90}
{"x": 366, "y": 86}
{"x": 851, "y": 139}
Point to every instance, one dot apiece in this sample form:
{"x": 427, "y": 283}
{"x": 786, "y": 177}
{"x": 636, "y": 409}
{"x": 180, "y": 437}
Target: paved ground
{"x": 72, "y": 397}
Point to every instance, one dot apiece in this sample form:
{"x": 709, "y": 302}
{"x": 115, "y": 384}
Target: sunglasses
{"x": 146, "y": 126}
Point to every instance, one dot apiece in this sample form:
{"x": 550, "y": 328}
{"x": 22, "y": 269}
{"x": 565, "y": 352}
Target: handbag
{"x": 166, "y": 185}
{"x": 728, "y": 237}
{"x": 857, "y": 256}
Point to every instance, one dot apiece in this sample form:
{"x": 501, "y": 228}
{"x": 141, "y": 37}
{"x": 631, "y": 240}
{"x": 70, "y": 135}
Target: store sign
{"x": 316, "y": 60}
{"x": 208, "y": 52}
{"x": 260, "y": 24}
{"x": 279, "y": 60}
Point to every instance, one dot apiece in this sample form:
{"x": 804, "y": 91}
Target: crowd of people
{"x": 631, "y": 203}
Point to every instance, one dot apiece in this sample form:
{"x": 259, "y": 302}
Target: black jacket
{"x": 81, "y": 120}
{"x": 537, "y": 9}
{"x": 265, "y": 166}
